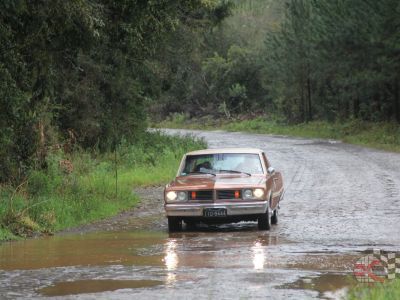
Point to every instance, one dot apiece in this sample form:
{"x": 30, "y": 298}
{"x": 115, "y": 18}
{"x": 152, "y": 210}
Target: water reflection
{"x": 171, "y": 261}
{"x": 258, "y": 255}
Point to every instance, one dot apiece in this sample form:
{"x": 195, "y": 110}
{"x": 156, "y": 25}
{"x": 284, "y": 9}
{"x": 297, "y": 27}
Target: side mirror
{"x": 271, "y": 170}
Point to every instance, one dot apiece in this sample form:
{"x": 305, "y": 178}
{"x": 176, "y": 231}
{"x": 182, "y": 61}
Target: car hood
{"x": 216, "y": 182}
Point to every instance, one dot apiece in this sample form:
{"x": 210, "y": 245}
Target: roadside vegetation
{"x": 387, "y": 291}
{"x": 379, "y": 135}
{"x": 308, "y": 68}
{"x": 81, "y": 187}
{"x": 75, "y": 79}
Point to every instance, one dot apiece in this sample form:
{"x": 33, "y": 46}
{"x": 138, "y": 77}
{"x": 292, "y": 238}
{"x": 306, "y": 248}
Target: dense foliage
{"x": 84, "y": 73}
{"x": 302, "y": 60}
{"x": 79, "y": 73}
{"x": 336, "y": 59}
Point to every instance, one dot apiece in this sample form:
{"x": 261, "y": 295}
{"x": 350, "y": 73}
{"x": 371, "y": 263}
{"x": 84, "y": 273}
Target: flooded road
{"x": 340, "y": 200}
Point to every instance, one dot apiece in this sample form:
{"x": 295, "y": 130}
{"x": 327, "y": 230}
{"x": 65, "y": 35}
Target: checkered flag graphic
{"x": 390, "y": 262}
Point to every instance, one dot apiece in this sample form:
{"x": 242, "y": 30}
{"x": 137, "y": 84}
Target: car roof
{"x": 226, "y": 150}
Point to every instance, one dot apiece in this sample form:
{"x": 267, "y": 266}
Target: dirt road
{"x": 340, "y": 200}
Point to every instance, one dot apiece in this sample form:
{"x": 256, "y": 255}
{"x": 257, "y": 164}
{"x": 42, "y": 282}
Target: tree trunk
{"x": 378, "y": 103}
{"x": 310, "y": 115}
{"x": 396, "y": 100}
{"x": 356, "y": 106}
{"x": 41, "y": 151}
{"x": 302, "y": 105}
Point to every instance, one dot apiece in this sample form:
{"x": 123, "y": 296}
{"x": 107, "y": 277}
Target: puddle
{"x": 81, "y": 250}
{"x": 103, "y": 261}
{"x": 94, "y": 286}
{"x": 328, "y": 285}
{"x": 190, "y": 249}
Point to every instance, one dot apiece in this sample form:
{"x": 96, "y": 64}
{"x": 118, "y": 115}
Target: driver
{"x": 205, "y": 166}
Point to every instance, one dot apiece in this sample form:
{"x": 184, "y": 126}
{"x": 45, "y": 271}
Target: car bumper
{"x": 232, "y": 209}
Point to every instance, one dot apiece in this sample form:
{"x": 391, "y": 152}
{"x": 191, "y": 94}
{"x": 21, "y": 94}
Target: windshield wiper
{"x": 198, "y": 172}
{"x": 234, "y": 171}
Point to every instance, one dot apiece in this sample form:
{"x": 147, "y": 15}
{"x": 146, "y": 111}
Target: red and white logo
{"x": 369, "y": 269}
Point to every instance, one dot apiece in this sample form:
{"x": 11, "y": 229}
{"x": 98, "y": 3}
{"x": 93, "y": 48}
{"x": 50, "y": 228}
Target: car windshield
{"x": 222, "y": 163}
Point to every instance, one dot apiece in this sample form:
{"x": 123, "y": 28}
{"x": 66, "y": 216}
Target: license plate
{"x": 214, "y": 212}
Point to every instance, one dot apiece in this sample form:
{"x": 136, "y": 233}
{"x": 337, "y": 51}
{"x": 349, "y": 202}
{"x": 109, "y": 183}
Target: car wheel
{"x": 174, "y": 224}
{"x": 190, "y": 225}
{"x": 264, "y": 221}
{"x": 274, "y": 217}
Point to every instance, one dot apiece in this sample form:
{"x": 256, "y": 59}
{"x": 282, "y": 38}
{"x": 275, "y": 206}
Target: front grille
{"x": 200, "y": 195}
{"x": 229, "y": 194}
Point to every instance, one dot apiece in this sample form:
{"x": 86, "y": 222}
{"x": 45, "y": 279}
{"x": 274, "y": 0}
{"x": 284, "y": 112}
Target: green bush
{"x": 52, "y": 199}
{"x": 38, "y": 183}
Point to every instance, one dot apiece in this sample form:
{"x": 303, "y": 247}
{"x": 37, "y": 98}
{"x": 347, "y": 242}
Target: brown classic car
{"x": 223, "y": 186}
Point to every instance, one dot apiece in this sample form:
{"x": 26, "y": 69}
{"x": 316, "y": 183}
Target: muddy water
{"x": 340, "y": 200}
{"x": 95, "y": 286}
{"x": 223, "y": 261}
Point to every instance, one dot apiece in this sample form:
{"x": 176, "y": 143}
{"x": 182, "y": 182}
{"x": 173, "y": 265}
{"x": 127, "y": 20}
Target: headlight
{"x": 258, "y": 193}
{"x": 171, "y": 196}
{"x": 247, "y": 194}
{"x": 182, "y": 196}
{"x": 251, "y": 194}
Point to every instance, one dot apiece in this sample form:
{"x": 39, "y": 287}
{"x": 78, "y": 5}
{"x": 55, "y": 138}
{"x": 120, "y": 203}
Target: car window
{"x": 221, "y": 162}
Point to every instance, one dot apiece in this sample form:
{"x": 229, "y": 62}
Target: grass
{"x": 6, "y": 235}
{"x": 385, "y": 136}
{"x": 386, "y": 291}
{"x": 57, "y": 198}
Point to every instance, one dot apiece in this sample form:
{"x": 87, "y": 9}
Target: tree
{"x": 335, "y": 60}
{"x": 78, "y": 69}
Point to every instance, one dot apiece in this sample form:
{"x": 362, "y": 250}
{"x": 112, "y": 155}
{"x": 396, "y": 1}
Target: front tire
{"x": 190, "y": 225}
{"x": 274, "y": 217}
{"x": 264, "y": 221}
{"x": 174, "y": 224}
